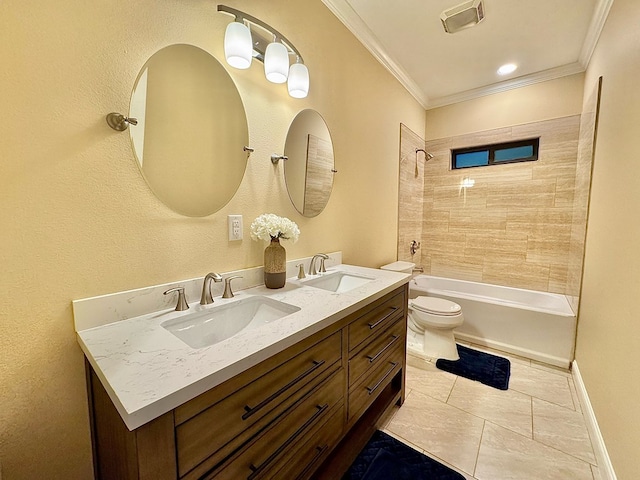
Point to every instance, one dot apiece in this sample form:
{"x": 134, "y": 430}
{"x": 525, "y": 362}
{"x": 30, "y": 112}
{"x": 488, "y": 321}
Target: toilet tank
{"x": 399, "y": 266}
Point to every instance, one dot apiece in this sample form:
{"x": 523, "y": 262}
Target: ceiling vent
{"x": 462, "y": 16}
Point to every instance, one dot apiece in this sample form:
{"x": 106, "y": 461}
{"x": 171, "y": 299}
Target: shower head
{"x": 427, "y": 155}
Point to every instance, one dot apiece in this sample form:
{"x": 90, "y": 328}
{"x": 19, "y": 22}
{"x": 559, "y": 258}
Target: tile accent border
{"x": 599, "y": 448}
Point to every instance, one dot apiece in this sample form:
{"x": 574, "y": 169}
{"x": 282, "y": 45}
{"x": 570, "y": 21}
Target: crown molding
{"x": 525, "y": 80}
{"x": 595, "y": 29}
{"x": 347, "y": 15}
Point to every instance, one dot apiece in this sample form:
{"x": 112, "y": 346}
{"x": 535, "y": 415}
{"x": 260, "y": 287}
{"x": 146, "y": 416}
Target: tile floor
{"x": 534, "y": 430}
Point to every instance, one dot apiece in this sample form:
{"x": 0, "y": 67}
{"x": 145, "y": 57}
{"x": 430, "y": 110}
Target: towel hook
{"x": 119, "y": 122}
{"x": 275, "y": 158}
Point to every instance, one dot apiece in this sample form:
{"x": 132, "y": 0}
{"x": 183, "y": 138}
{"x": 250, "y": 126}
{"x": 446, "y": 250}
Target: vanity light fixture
{"x": 276, "y": 62}
{"x": 238, "y": 46}
{"x": 267, "y": 45}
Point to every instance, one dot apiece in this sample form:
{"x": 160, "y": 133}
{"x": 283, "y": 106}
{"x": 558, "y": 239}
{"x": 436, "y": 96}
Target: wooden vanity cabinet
{"x": 305, "y": 411}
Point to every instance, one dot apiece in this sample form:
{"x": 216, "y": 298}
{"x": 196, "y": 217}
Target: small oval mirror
{"x": 310, "y": 167}
{"x": 191, "y": 130}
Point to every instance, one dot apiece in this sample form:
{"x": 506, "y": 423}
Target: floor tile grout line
{"x": 543, "y": 444}
{"x": 532, "y": 438}
{"x": 425, "y": 452}
{"x": 551, "y": 374}
{"x": 475, "y": 465}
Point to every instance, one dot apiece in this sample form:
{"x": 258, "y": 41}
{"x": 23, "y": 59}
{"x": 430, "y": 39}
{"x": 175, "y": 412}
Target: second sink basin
{"x": 338, "y": 282}
{"x": 215, "y": 324}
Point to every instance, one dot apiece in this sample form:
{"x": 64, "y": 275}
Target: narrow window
{"x": 509, "y": 152}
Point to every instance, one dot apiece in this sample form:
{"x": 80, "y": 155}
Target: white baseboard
{"x": 600, "y": 450}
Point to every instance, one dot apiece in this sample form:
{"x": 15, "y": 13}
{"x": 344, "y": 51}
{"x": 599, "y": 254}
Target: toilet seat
{"x": 435, "y": 306}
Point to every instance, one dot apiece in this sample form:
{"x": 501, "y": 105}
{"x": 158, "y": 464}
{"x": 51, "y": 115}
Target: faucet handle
{"x": 182, "y": 301}
{"x": 301, "y": 273}
{"x": 228, "y": 293}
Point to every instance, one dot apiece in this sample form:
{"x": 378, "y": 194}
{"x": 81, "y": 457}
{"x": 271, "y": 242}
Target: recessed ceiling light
{"x": 507, "y": 69}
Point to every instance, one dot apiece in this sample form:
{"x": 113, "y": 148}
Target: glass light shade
{"x": 298, "y": 82}
{"x": 238, "y": 46}
{"x": 276, "y": 62}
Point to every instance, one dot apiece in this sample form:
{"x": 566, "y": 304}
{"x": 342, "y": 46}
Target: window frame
{"x": 491, "y": 149}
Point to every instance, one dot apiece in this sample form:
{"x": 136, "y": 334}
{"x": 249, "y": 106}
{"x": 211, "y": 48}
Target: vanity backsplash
{"x": 114, "y": 307}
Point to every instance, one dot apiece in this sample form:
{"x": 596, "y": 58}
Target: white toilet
{"x": 431, "y": 324}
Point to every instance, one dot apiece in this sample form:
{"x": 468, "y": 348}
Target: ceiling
{"x": 547, "y": 39}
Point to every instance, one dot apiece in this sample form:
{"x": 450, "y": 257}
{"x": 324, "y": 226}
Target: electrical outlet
{"x": 235, "y": 227}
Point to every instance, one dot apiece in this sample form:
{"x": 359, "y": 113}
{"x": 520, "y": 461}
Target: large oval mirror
{"x": 191, "y": 130}
{"x": 310, "y": 168}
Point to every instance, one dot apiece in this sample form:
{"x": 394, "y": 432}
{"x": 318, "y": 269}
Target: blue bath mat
{"x": 385, "y": 458}
{"x": 479, "y": 366}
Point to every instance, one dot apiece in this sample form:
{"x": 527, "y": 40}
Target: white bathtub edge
{"x": 508, "y": 348}
{"x": 600, "y": 449}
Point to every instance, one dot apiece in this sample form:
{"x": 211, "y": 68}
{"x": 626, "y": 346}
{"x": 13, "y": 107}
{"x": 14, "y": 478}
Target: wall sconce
{"x": 247, "y": 38}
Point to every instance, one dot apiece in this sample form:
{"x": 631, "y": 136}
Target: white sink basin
{"x": 338, "y": 282}
{"x": 215, "y": 324}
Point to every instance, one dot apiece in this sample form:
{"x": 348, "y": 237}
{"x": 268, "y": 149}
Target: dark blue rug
{"x": 479, "y": 366}
{"x": 385, "y": 458}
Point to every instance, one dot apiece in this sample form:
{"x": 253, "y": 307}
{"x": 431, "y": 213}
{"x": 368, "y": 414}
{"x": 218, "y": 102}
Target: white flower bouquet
{"x": 269, "y": 227}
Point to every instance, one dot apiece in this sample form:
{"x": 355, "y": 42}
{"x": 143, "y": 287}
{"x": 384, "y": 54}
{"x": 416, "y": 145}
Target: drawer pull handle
{"x": 251, "y": 410}
{"x": 374, "y": 325}
{"x": 373, "y": 389}
{"x": 375, "y": 357}
{"x": 258, "y": 470}
{"x": 319, "y": 451}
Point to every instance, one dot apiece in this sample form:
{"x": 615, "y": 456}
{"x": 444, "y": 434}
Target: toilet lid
{"x": 435, "y": 306}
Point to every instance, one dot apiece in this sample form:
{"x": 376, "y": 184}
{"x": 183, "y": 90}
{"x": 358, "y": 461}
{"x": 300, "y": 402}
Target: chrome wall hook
{"x": 248, "y": 149}
{"x": 119, "y": 122}
{"x": 275, "y": 158}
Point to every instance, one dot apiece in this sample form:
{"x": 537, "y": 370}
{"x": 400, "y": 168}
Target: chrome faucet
{"x": 206, "y": 298}
{"x": 228, "y": 293}
{"x": 312, "y": 265}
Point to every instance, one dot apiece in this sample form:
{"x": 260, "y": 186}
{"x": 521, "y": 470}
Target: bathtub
{"x": 536, "y": 325}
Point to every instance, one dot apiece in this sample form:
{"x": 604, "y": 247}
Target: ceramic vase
{"x": 275, "y": 265}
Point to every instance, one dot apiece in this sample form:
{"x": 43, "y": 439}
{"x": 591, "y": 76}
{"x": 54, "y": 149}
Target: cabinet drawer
{"x": 269, "y": 451}
{"x": 377, "y": 351}
{"x": 375, "y": 320}
{"x": 219, "y": 430}
{"x": 364, "y": 392}
{"x": 303, "y": 462}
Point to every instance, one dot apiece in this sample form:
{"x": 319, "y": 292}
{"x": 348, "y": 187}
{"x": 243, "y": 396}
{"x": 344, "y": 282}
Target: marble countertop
{"x": 147, "y": 371}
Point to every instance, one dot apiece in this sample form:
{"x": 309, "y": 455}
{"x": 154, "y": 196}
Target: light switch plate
{"x": 235, "y": 227}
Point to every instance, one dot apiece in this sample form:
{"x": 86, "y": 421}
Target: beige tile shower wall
{"x": 513, "y": 226}
{"x": 586, "y": 144}
{"x": 410, "y": 193}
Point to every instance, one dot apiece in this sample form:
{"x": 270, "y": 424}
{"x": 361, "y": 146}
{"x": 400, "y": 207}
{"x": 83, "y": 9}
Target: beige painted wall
{"x": 78, "y": 219}
{"x": 542, "y": 101}
{"x": 608, "y": 342}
